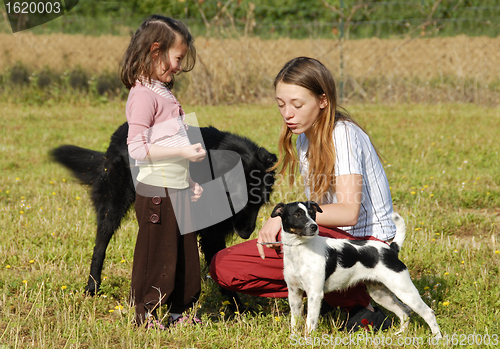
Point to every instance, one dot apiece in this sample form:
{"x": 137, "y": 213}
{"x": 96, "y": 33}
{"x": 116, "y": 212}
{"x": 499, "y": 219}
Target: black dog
{"x": 113, "y": 191}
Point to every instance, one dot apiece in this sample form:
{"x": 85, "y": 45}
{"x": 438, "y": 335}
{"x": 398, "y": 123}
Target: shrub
{"x": 108, "y": 83}
{"x": 78, "y": 79}
{"x": 19, "y": 75}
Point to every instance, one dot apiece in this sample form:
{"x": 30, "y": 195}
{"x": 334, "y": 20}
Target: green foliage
{"x": 290, "y": 18}
{"x": 45, "y": 86}
{"x": 20, "y": 83}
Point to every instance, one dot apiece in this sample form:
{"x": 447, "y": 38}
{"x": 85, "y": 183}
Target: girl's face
{"x": 298, "y": 106}
{"x": 175, "y": 56}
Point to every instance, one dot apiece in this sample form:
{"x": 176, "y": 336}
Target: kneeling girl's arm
{"x": 345, "y": 212}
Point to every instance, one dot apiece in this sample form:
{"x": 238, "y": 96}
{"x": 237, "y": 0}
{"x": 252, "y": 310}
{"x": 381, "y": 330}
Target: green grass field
{"x": 443, "y": 166}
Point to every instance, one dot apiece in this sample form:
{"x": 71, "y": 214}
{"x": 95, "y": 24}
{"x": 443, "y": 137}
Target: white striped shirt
{"x": 355, "y": 154}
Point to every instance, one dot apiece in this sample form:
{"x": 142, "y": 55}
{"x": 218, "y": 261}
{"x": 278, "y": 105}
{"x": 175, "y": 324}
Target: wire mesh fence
{"x": 375, "y": 58}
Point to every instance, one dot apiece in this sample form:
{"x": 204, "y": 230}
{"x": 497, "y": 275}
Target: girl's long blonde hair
{"x": 314, "y": 76}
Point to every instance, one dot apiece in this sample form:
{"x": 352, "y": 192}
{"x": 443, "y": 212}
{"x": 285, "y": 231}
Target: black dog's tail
{"x": 84, "y": 163}
{"x": 397, "y": 243}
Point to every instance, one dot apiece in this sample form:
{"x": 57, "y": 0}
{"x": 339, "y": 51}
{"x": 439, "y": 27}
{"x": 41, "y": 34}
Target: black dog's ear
{"x": 278, "y": 210}
{"x": 315, "y": 206}
{"x": 267, "y": 158}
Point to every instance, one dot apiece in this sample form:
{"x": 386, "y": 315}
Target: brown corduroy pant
{"x": 166, "y": 268}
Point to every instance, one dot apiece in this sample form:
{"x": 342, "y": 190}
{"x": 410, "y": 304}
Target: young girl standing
{"x": 166, "y": 268}
{"x": 341, "y": 171}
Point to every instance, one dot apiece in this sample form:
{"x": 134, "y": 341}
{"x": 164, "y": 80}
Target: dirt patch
{"x": 485, "y": 229}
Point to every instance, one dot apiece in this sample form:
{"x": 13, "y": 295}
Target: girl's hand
{"x": 197, "y": 191}
{"x": 268, "y": 234}
{"x": 194, "y": 153}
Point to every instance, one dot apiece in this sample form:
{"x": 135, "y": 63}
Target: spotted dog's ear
{"x": 315, "y": 206}
{"x": 278, "y": 210}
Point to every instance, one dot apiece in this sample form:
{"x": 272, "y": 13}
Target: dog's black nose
{"x": 313, "y": 228}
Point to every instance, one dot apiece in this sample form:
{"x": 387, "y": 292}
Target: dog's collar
{"x": 277, "y": 242}
{"x": 269, "y": 243}
{"x": 292, "y": 245}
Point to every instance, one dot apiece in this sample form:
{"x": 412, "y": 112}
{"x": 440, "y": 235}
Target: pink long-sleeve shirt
{"x": 150, "y": 117}
{"x": 156, "y": 117}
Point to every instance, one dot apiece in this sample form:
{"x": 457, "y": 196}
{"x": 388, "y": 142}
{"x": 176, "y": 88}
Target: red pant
{"x": 239, "y": 268}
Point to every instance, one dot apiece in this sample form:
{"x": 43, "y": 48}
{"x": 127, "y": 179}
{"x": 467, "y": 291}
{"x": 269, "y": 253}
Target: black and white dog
{"x": 113, "y": 191}
{"x": 318, "y": 265}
